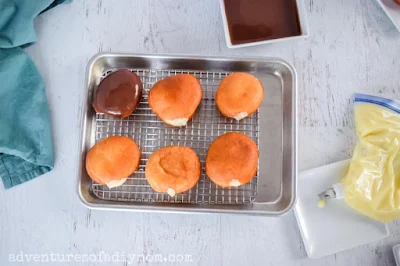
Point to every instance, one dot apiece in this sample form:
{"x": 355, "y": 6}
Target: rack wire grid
{"x": 150, "y": 133}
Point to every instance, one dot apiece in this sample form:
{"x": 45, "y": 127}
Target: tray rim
{"x": 190, "y": 208}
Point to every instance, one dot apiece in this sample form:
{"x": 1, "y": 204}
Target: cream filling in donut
{"x": 234, "y": 183}
{"x": 116, "y": 183}
{"x": 171, "y": 192}
{"x": 240, "y": 116}
{"x": 179, "y": 122}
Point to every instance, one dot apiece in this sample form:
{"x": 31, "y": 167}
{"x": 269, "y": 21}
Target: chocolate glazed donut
{"x": 118, "y": 94}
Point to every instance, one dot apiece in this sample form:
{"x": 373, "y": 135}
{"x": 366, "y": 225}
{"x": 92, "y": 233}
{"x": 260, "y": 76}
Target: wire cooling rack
{"x": 150, "y": 133}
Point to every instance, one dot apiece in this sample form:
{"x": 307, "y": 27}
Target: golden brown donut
{"x": 175, "y": 99}
{"x": 232, "y": 160}
{"x": 239, "y": 95}
{"x": 112, "y": 160}
{"x": 118, "y": 94}
{"x": 173, "y": 169}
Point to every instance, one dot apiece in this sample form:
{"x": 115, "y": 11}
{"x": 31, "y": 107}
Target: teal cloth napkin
{"x": 26, "y": 149}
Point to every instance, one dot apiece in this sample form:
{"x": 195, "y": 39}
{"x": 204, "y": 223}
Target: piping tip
{"x": 330, "y": 193}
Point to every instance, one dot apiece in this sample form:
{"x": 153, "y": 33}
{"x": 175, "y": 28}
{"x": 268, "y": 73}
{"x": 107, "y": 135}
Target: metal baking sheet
{"x": 273, "y": 128}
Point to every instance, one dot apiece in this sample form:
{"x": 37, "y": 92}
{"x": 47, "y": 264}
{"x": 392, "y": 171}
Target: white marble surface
{"x": 352, "y": 48}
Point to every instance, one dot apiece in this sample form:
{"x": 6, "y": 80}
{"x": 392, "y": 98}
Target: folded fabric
{"x": 26, "y": 149}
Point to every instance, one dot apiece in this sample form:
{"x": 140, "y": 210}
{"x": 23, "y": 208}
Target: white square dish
{"x": 336, "y": 227}
{"x": 302, "y": 20}
{"x": 392, "y": 10}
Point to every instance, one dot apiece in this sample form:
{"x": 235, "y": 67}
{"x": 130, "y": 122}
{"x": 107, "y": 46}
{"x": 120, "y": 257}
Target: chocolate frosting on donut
{"x": 118, "y": 94}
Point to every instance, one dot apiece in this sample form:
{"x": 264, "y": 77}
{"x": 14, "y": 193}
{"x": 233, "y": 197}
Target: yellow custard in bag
{"x": 372, "y": 185}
